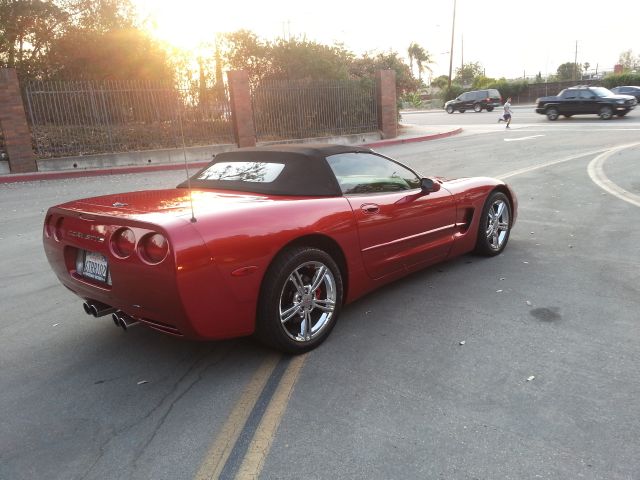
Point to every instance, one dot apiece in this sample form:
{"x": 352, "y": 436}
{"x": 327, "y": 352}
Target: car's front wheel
{"x": 606, "y": 113}
{"x": 495, "y": 225}
{"x": 477, "y": 108}
{"x": 449, "y": 109}
{"x": 462, "y": 110}
{"x": 300, "y": 300}
{"x": 489, "y": 109}
{"x": 552, "y": 113}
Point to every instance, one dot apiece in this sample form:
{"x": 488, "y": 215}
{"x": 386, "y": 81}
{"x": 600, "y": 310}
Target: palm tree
{"x": 421, "y": 57}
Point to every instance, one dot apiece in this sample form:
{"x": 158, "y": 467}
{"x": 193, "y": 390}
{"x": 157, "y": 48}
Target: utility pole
{"x": 453, "y": 28}
{"x": 462, "y": 53}
{"x": 575, "y": 63}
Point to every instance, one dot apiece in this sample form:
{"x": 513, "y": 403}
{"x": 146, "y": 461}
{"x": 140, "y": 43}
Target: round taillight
{"x": 153, "y": 248}
{"x": 57, "y": 230}
{"x": 123, "y": 242}
{"x": 48, "y": 228}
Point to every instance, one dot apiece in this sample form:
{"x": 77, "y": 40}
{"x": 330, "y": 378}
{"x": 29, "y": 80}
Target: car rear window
{"x": 262, "y": 172}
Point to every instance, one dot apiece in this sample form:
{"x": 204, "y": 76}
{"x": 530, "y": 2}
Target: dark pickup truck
{"x": 581, "y": 100}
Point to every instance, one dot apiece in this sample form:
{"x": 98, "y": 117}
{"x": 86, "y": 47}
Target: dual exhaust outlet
{"x": 98, "y": 309}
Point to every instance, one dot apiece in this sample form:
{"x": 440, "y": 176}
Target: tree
{"x": 441, "y": 82}
{"x": 567, "y": 71}
{"x": 366, "y": 66}
{"x": 124, "y": 54}
{"x": 628, "y": 61}
{"x": 27, "y": 29}
{"x": 466, "y": 73}
{"x": 421, "y": 57}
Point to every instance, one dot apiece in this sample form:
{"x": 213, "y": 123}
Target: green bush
{"x": 451, "y": 92}
{"x": 617, "y": 79}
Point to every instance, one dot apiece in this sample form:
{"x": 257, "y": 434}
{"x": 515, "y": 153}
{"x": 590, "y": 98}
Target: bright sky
{"x": 509, "y": 38}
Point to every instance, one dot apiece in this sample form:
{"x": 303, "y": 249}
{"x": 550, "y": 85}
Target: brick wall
{"x": 387, "y": 108}
{"x": 13, "y": 122}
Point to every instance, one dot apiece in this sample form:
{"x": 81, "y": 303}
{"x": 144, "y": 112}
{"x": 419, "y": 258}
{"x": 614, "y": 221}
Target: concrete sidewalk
{"x": 53, "y": 170}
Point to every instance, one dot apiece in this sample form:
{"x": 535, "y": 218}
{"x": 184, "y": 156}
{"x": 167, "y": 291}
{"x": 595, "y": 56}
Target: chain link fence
{"x": 81, "y": 118}
{"x": 317, "y": 108}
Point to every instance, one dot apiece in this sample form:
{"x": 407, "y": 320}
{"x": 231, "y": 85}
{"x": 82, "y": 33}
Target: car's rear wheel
{"x": 568, "y": 115}
{"x": 621, "y": 114}
{"x": 462, "y": 110}
{"x": 489, "y": 109}
{"x": 606, "y": 113}
{"x": 300, "y": 300}
{"x": 449, "y": 109}
{"x": 477, "y": 108}
{"x": 552, "y": 113}
{"x": 495, "y": 225}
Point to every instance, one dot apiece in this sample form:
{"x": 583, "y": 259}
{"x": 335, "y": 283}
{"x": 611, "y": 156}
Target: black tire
{"x": 477, "y": 108}
{"x": 552, "y": 113}
{"x": 568, "y": 115}
{"x": 287, "y": 303}
{"x": 621, "y": 114}
{"x": 449, "y": 109}
{"x": 489, "y": 109}
{"x": 495, "y": 225}
{"x": 462, "y": 110}
{"x": 606, "y": 112}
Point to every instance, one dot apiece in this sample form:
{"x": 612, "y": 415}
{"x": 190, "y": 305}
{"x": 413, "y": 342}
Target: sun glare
{"x": 186, "y": 24}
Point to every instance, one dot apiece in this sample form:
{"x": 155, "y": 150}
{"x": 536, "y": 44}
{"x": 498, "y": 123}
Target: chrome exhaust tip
{"x": 97, "y": 309}
{"x": 123, "y": 320}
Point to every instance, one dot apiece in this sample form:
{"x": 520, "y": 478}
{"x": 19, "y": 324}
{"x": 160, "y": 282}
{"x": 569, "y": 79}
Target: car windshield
{"x": 601, "y": 91}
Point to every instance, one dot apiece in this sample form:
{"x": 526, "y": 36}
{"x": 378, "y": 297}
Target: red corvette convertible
{"x": 270, "y": 241}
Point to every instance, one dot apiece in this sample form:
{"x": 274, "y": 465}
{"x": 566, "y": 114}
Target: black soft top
{"x": 306, "y": 171}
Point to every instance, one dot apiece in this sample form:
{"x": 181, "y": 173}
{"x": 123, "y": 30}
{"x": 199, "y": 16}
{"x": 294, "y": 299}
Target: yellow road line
{"x": 219, "y": 451}
{"x": 261, "y": 442}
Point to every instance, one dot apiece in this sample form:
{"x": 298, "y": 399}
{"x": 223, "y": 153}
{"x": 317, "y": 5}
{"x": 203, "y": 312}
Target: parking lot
{"x": 521, "y": 366}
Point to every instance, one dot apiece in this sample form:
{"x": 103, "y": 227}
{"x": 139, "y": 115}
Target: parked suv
{"x": 627, "y": 90}
{"x": 476, "y": 99}
{"x": 583, "y": 99}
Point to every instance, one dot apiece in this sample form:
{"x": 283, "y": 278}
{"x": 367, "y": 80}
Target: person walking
{"x": 506, "y": 116}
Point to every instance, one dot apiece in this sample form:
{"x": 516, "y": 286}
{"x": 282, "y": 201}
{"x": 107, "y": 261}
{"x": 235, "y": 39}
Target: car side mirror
{"x": 428, "y": 185}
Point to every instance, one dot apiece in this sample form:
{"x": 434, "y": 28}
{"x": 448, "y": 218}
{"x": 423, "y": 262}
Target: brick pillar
{"x": 242, "y": 113}
{"x": 13, "y": 122}
{"x": 387, "y": 108}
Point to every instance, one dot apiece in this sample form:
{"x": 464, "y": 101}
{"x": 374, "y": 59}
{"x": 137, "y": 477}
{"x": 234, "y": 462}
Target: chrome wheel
{"x": 308, "y": 301}
{"x": 497, "y": 224}
{"x": 477, "y": 108}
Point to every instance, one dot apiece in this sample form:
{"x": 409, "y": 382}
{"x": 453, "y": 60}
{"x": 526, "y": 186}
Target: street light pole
{"x": 453, "y": 27}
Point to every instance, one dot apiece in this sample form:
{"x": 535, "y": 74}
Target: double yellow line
{"x": 240, "y": 449}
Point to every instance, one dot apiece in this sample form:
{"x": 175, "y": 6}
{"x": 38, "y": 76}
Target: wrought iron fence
{"x": 79, "y": 118}
{"x": 318, "y": 108}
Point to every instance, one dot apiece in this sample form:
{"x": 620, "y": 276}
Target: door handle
{"x": 370, "y": 208}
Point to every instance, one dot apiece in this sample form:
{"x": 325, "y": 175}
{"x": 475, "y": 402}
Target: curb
{"x": 36, "y": 176}
{"x": 423, "y": 138}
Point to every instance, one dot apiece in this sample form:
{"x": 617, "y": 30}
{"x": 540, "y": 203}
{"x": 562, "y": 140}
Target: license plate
{"x": 95, "y": 266}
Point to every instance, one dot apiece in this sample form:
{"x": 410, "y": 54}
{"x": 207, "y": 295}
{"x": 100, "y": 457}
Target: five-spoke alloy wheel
{"x": 495, "y": 225}
{"x": 300, "y": 300}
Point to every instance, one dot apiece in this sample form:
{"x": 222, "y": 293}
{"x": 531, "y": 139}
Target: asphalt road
{"x": 546, "y": 384}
